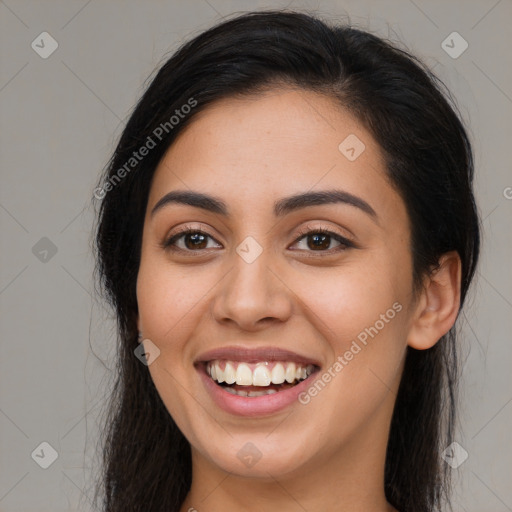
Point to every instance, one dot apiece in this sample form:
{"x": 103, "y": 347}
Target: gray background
{"x": 60, "y": 118}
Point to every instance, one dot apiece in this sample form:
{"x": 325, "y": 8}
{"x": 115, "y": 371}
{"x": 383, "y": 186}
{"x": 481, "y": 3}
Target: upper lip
{"x": 254, "y": 355}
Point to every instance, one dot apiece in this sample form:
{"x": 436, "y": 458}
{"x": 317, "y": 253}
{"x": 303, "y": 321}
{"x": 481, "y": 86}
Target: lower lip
{"x": 252, "y": 406}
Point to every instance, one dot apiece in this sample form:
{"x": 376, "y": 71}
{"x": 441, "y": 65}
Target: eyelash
{"x": 345, "y": 243}
{"x": 168, "y": 244}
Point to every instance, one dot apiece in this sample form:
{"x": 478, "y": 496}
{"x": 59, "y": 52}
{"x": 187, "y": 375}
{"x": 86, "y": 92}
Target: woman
{"x": 287, "y": 233}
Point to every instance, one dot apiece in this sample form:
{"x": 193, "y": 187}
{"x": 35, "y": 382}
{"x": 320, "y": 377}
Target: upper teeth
{"x": 260, "y": 374}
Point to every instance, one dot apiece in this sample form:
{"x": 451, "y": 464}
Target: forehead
{"x": 256, "y": 149}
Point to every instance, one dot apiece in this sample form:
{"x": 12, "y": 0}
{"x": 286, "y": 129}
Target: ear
{"x": 439, "y": 304}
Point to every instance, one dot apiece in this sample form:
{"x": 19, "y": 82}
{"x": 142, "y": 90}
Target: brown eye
{"x": 320, "y": 240}
{"x": 188, "y": 240}
{"x": 194, "y": 241}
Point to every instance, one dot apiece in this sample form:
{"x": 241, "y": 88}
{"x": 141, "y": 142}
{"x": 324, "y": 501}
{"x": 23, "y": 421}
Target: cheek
{"x": 169, "y": 301}
{"x": 363, "y": 319}
{"x": 360, "y": 310}
{"x": 343, "y": 302}
{"x": 169, "y": 297}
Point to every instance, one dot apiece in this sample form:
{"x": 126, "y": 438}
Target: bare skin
{"x": 328, "y": 453}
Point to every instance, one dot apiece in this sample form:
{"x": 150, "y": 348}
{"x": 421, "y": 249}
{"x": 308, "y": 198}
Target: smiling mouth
{"x": 257, "y": 379}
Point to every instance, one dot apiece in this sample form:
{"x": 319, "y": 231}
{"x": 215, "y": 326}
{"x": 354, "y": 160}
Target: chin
{"x": 257, "y": 456}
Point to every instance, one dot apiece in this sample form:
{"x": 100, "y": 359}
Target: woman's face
{"x": 250, "y": 293}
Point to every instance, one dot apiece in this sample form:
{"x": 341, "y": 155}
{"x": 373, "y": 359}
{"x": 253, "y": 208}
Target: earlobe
{"x": 439, "y": 303}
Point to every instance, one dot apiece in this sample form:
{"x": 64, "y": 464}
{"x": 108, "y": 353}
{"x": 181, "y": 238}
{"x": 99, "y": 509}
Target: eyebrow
{"x": 281, "y": 207}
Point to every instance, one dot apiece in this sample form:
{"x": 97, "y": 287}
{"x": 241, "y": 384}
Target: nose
{"x": 252, "y": 296}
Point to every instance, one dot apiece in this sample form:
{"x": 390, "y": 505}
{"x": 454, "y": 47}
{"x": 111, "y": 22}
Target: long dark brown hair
{"x": 146, "y": 459}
